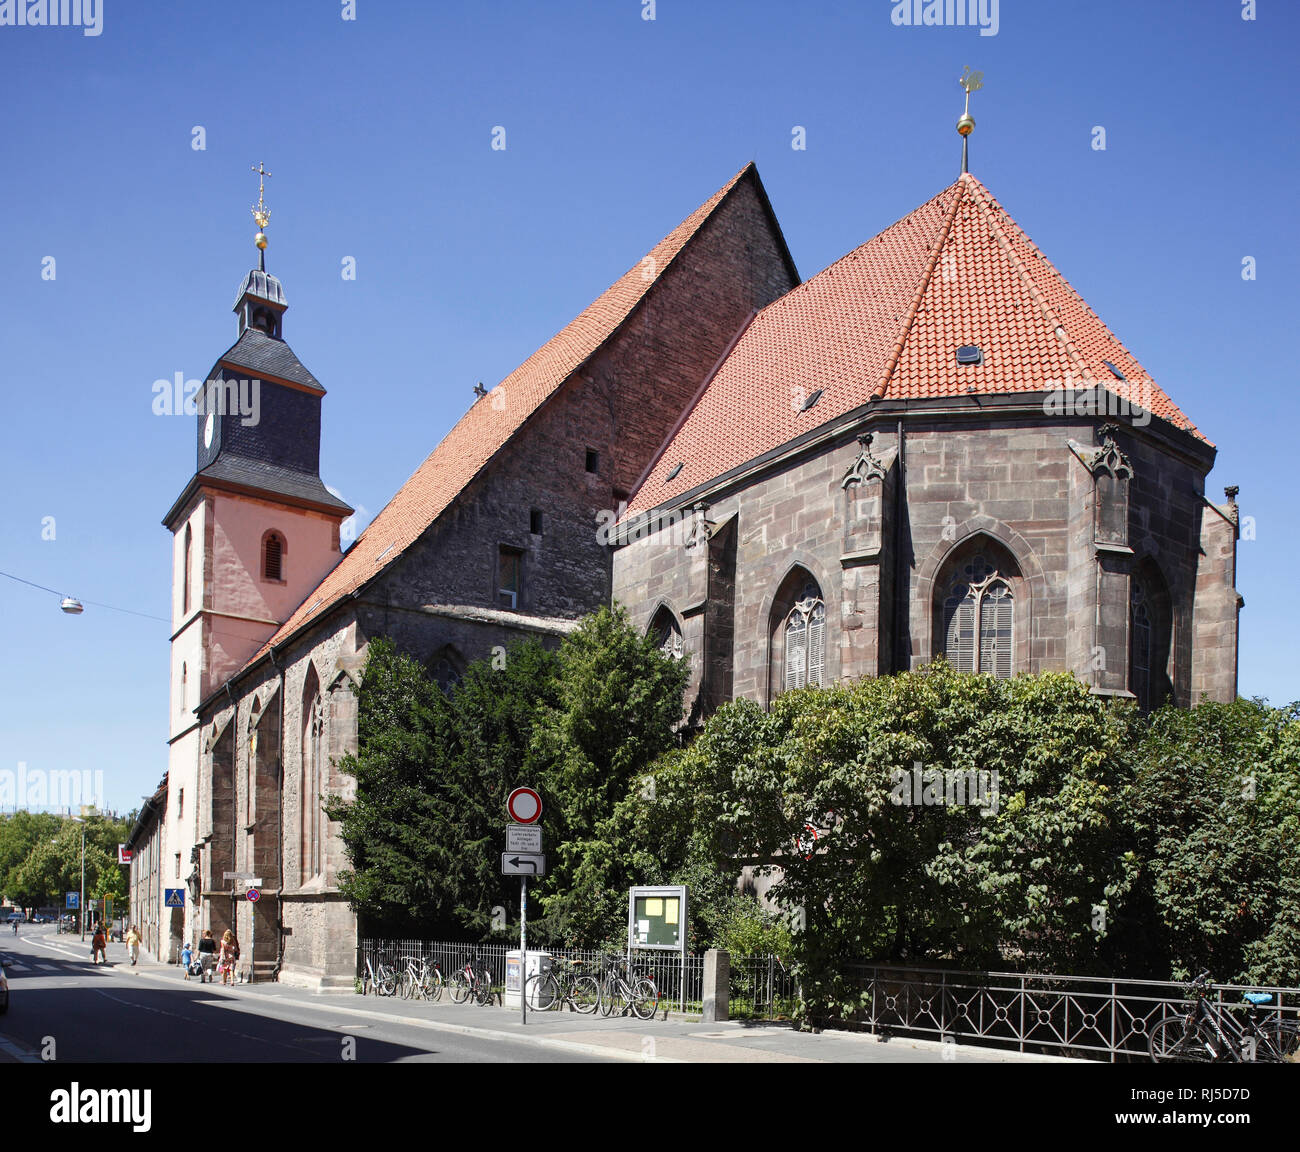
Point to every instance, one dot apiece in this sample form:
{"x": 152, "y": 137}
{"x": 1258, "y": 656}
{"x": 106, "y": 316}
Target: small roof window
{"x": 1115, "y": 371}
{"x": 970, "y": 354}
{"x": 677, "y": 470}
{"x": 811, "y": 400}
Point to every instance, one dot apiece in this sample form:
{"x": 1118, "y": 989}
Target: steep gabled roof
{"x": 884, "y": 322}
{"x": 492, "y": 421}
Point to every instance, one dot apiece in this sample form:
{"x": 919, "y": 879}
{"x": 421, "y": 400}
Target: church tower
{"x": 254, "y": 531}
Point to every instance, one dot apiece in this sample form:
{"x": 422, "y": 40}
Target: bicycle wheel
{"x": 459, "y": 987}
{"x": 387, "y": 981}
{"x": 1171, "y": 1040}
{"x": 543, "y": 992}
{"x": 645, "y": 999}
{"x": 585, "y": 994}
{"x": 608, "y": 994}
{"x": 432, "y": 984}
{"x": 1279, "y": 1043}
{"x": 483, "y": 986}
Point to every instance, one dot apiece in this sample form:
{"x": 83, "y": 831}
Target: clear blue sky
{"x": 377, "y": 132}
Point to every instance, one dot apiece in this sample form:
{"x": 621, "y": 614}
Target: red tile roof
{"x": 885, "y": 322}
{"x": 491, "y": 422}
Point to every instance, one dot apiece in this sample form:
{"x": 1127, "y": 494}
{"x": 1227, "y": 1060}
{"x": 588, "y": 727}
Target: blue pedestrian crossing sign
{"x": 73, "y": 899}
{"x": 173, "y": 897}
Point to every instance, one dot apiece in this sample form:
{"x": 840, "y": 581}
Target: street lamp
{"x": 81, "y": 911}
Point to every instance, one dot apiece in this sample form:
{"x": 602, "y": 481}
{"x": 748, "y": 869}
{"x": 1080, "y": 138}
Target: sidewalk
{"x": 675, "y": 1040}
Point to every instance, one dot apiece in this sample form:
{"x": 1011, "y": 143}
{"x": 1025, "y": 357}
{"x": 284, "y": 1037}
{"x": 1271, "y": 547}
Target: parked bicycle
{"x": 622, "y": 991}
{"x": 472, "y": 980}
{"x": 565, "y": 983}
{"x": 420, "y": 979}
{"x": 1208, "y": 1032}
{"x": 379, "y": 978}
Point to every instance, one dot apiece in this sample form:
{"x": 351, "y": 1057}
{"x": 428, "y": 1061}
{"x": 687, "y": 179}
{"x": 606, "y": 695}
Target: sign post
{"x": 523, "y": 858}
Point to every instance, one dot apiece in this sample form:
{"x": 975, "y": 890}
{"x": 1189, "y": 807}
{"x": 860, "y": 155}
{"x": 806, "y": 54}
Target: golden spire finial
{"x": 971, "y": 82}
{"x": 261, "y": 213}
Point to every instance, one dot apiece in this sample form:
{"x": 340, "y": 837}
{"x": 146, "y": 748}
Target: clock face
{"x": 210, "y": 424}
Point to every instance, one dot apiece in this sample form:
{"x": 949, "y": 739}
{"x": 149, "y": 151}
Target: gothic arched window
{"x": 667, "y": 634}
{"x": 1150, "y": 635}
{"x": 313, "y": 772}
{"x": 189, "y": 551}
{"x": 979, "y": 618}
{"x": 798, "y": 634}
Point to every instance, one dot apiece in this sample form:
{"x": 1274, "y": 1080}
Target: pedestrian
{"x": 133, "y": 944}
{"x": 228, "y": 955}
{"x": 98, "y": 946}
{"x": 187, "y": 958}
{"x": 207, "y": 956}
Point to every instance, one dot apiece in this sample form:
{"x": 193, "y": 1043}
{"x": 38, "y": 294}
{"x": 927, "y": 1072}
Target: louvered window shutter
{"x": 959, "y": 644}
{"x": 996, "y": 609}
{"x": 273, "y": 558}
{"x": 817, "y": 646}
{"x": 796, "y": 651}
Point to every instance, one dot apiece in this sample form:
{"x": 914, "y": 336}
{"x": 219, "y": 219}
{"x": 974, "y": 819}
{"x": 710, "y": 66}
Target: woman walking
{"x": 133, "y": 944}
{"x": 228, "y": 955}
{"x": 207, "y": 956}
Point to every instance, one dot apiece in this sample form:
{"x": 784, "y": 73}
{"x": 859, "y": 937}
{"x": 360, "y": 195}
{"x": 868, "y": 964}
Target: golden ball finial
{"x": 966, "y": 125}
{"x": 260, "y": 240}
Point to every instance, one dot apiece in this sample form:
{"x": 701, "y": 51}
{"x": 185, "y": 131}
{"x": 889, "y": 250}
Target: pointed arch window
{"x": 189, "y": 552}
{"x": 667, "y": 634}
{"x": 979, "y": 619}
{"x": 805, "y": 641}
{"x": 1150, "y": 637}
{"x": 313, "y": 776}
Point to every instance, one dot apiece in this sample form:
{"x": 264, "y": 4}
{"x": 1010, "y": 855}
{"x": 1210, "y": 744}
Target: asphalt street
{"x": 62, "y": 1006}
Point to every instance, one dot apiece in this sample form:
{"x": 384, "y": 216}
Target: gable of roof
{"x": 884, "y": 322}
{"x": 493, "y": 420}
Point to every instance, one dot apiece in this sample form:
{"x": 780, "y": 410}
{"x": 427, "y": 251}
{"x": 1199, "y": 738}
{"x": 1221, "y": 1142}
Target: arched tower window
{"x": 798, "y": 634}
{"x": 273, "y": 553}
{"x": 667, "y": 634}
{"x": 313, "y": 773}
{"x": 185, "y": 578}
{"x": 977, "y": 614}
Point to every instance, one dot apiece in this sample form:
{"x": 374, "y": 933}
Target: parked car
{"x": 39, "y": 919}
{"x": 15, "y": 916}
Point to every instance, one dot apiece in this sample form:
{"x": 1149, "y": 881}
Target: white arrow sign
{"x": 523, "y": 864}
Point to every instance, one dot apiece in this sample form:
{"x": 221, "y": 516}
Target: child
{"x": 187, "y": 958}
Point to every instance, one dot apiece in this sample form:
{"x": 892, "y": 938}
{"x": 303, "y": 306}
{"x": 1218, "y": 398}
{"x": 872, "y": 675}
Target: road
{"x": 65, "y": 1008}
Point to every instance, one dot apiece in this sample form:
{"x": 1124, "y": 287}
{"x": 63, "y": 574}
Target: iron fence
{"x": 761, "y": 987}
{"x": 1089, "y": 1016}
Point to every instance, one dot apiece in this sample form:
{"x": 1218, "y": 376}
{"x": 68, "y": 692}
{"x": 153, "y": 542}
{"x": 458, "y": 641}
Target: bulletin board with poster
{"x": 656, "y": 918}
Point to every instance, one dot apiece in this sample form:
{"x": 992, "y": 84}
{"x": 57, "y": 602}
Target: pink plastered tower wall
{"x": 246, "y": 608}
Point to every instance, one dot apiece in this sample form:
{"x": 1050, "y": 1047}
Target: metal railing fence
{"x": 1089, "y": 1016}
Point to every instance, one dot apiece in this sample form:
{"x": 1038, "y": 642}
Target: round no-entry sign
{"x": 524, "y": 806}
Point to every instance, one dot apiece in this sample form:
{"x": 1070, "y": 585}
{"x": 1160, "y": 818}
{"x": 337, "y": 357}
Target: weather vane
{"x": 261, "y": 213}
{"x": 971, "y": 82}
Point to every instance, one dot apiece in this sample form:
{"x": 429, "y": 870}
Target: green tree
{"x": 617, "y": 705}
{"x": 20, "y": 833}
{"x": 424, "y": 832}
{"x": 1215, "y": 804}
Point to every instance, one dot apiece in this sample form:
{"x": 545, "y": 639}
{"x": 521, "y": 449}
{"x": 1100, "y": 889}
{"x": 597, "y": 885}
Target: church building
{"x": 932, "y": 448}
